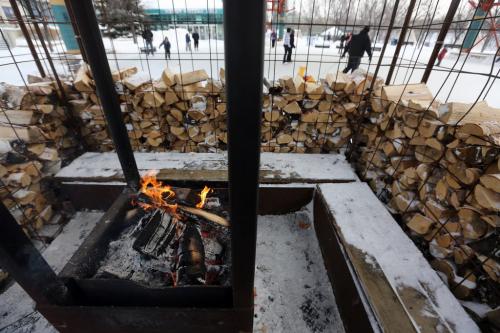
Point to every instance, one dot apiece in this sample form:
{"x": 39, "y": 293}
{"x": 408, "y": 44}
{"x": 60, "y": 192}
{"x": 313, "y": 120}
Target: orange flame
{"x": 158, "y": 193}
{"x": 203, "y": 196}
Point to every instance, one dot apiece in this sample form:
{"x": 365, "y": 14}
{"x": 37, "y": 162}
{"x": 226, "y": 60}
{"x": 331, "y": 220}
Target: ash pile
{"x": 175, "y": 237}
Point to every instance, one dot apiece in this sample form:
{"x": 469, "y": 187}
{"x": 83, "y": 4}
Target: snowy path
{"x": 122, "y": 52}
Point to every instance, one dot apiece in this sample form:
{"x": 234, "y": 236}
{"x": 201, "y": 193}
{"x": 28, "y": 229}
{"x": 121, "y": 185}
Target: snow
{"x": 480, "y": 309}
{"x": 15, "y": 304}
{"x": 293, "y": 293}
{"x": 292, "y": 286}
{"x": 122, "y": 52}
{"x": 367, "y": 225}
{"x": 313, "y": 167}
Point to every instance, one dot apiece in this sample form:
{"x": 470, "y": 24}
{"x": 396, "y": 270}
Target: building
{"x": 208, "y": 22}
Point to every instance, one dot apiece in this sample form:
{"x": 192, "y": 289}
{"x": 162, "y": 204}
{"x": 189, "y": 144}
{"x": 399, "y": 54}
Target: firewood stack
{"x": 178, "y": 112}
{"x": 186, "y": 112}
{"x": 35, "y": 140}
{"x": 443, "y": 179}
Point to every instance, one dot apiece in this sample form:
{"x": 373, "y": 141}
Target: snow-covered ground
{"x": 122, "y": 52}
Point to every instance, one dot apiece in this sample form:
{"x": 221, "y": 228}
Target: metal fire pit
{"x": 113, "y": 305}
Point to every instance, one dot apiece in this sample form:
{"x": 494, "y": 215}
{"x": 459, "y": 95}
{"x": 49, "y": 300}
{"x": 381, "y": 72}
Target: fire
{"x": 163, "y": 196}
{"x": 203, "y": 196}
{"x": 158, "y": 193}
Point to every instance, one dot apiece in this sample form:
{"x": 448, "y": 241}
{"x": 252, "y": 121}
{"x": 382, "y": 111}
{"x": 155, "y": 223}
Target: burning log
{"x": 191, "y": 267}
{"x": 206, "y": 215}
{"x": 158, "y": 232}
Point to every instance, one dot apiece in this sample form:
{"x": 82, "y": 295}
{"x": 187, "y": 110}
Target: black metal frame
{"x": 23, "y": 261}
{"x": 401, "y": 41}
{"x": 440, "y": 40}
{"x": 90, "y": 36}
{"x": 27, "y": 36}
{"x": 54, "y": 295}
{"x": 243, "y": 21}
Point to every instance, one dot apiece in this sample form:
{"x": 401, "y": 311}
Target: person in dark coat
{"x": 273, "y": 38}
{"x": 357, "y": 47}
{"x": 287, "y": 46}
{"x": 342, "y": 40}
{"x": 292, "y": 45}
{"x": 196, "y": 38}
{"x": 147, "y": 35}
{"x": 166, "y": 46}
{"x": 188, "y": 42}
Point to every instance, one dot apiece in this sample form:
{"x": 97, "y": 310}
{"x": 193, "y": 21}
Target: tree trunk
{"x": 132, "y": 28}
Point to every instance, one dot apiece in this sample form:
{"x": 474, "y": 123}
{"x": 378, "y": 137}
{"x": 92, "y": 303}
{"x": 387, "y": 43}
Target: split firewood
{"x": 189, "y": 78}
{"x": 206, "y": 215}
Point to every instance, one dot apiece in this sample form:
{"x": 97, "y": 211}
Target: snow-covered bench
{"x": 405, "y": 294}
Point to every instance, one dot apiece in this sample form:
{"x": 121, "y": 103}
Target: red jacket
{"x": 442, "y": 53}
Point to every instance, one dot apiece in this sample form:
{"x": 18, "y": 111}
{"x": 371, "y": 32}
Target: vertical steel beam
{"x": 27, "y": 36}
{"x": 244, "y": 60}
{"x": 21, "y": 259}
{"x": 402, "y": 37}
{"x": 440, "y": 40}
{"x": 75, "y": 29}
{"x": 39, "y": 33}
{"x": 86, "y": 22}
{"x": 386, "y": 41}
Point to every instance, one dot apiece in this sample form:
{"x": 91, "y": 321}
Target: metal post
{"x": 401, "y": 40}
{"x": 386, "y": 41}
{"x": 90, "y": 35}
{"x": 244, "y": 60}
{"x": 26, "y": 265}
{"x": 357, "y": 133}
{"x": 39, "y": 33}
{"x": 75, "y": 29}
{"x": 440, "y": 40}
{"x": 27, "y": 36}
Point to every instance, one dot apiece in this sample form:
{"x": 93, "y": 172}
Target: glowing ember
{"x": 203, "y": 196}
{"x": 158, "y": 193}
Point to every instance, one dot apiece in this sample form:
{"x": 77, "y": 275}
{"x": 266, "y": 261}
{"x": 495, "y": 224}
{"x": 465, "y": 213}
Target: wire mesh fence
{"x": 429, "y": 151}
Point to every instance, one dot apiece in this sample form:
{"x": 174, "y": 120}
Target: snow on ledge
{"x": 281, "y": 166}
{"x": 366, "y": 224}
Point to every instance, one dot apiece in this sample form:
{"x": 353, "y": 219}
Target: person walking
{"x": 357, "y": 46}
{"x": 188, "y": 43}
{"x": 292, "y": 45}
{"x": 342, "y": 40}
{"x": 273, "y": 38}
{"x": 287, "y": 46}
{"x": 147, "y": 35}
{"x": 196, "y": 38}
{"x": 166, "y": 46}
{"x": 441, "y": 55}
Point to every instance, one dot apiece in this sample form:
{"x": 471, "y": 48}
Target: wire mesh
{"x": 311, "y": 104}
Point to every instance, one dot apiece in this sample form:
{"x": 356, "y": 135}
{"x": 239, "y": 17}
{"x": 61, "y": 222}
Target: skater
{"x": 188, "y": 43}
{"x": 342, "y": 40}
{"x": 273, "y": 38}
{"x": 196, "y": 38}
{"x": 147, "y": 35}
{"x": 166, "y": 46}
{"x": 357, "y": 46}
{"x": 441, "y": 55}
{"x": 292, "y": 45}
{"x": 287, "y": 46}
